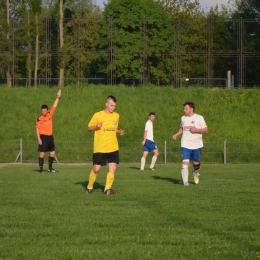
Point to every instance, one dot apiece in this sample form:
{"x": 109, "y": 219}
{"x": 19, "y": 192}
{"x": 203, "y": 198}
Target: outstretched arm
{"x": 57, "y": 99}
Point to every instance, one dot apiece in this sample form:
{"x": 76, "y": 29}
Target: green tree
{"x": 249, "y": 11}
{"x": 133, "y": 39}
{"x": 223, "y": 41}
{"x": 190, "y": 37}
{"x": 80, "y": 36}
{"x": 3, "y": 40}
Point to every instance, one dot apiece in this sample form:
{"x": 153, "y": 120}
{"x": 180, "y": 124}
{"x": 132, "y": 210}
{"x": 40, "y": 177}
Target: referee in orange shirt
{"x": 44, "y": 134}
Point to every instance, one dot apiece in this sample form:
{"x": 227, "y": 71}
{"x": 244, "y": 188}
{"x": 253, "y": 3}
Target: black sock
{"x": 41, "y": 162}
{"x": 50, "y": 162}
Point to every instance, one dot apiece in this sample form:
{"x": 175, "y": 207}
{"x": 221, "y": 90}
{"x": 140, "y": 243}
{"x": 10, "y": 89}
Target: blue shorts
{"x": 188, "y": 154}
{"x": 149, "y": 146}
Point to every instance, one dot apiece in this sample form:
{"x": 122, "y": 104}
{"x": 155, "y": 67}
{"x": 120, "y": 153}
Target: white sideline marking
{"x": 2, "y": 166}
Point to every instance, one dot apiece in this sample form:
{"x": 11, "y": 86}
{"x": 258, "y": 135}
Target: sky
{"x": 206, "y": 4}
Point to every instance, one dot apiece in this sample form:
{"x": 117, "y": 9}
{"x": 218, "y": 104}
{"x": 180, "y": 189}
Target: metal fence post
{"x": 21, "y": 150}
{"x": 20, "y": 154}
{"x": 225, "y": 152}
{"x": 165, "y": 153}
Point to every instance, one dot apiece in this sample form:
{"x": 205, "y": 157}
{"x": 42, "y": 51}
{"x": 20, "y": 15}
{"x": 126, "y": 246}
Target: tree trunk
{"x": 36, "y": 52}
{"x": 61, "y": 76}
{"x": 8, "y": 74}
{"x": 29, "y": 58}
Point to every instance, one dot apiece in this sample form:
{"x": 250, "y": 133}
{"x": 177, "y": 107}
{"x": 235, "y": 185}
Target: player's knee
{"x": 156, "y": 153}
{"x": 196, "y": 167}
{"x": 185, "y": 164}
{"x": 145, "y": 154}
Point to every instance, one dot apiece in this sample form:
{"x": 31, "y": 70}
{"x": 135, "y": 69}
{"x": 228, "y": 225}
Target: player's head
{"x": 44, "y": 109}
{"x": 151, "y": 116}
{"x": 189, "y": 108}
{"x": 110, "y": 104}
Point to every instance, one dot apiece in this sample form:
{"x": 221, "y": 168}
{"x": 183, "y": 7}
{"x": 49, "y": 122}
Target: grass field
{"x": 152, "y": 216}
{"x": 228, "y": 113}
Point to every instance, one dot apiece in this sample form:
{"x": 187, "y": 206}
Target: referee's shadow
{"x": 97, "y": 186}
{"x": 168, "y": 179}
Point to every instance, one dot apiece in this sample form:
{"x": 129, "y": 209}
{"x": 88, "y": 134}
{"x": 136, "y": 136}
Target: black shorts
{"x": 102, "y": 158}
{"x": 47, "y": 144}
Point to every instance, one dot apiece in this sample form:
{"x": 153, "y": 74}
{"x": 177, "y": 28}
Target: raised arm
{"x": 57, "y": 99}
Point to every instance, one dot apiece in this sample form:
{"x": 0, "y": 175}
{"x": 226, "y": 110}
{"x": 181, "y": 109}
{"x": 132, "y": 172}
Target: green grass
{"x": 152, "y": 216}
{"x": 231, "y": 115}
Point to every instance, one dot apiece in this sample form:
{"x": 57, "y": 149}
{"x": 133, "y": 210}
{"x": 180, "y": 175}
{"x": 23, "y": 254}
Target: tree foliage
{"x": 139, "y": 34}
{"x": 157, "y": 41}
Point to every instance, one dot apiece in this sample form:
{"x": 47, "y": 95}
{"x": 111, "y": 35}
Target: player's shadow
{"x": 167, "y": 179}
{"x": 97, "y": 186}
{"x": 134, "y": 168}
{"x": 44, "y": 171}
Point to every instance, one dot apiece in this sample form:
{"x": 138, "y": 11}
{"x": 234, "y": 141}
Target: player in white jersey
{"x": 192, "y": 127}
{"x": 148, "y": 143}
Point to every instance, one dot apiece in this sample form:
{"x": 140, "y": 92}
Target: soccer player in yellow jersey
{"x": 105, "y": 124}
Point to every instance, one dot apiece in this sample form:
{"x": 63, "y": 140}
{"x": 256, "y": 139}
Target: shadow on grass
{"x": 168, "y": 179}
{"x": 44, "y": 171}
{"x": 97, "y": 186}
{"x": 134, "y": 168}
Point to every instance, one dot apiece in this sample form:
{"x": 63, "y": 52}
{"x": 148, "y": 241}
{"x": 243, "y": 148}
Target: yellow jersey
{"x": 105, "y": 139}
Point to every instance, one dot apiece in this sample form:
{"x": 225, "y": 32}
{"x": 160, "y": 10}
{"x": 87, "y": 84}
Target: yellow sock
{"x": 110, "y": 180}
{"x": 91, "y": 179}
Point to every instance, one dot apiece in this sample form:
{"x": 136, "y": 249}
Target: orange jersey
{"x": 44, "y": 123}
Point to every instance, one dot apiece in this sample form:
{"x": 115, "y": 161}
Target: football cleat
{"x": 89, "y": 191}
{"x": 52, "y": 170}
{"x": 109, "y": 192}
{"x": 196, "y": 177}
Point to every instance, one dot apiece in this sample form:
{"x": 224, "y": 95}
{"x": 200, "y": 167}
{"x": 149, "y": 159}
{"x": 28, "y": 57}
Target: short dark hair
{"x": 152, "y": 114}
{"x": 111, "y": 97}
{"x": 190, "y": 104}
{"x": 44, "y": 106}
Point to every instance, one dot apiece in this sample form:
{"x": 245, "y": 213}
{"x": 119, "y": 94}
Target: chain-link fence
{"x": 81, "y": 152}
{"x": 162, "y": 52}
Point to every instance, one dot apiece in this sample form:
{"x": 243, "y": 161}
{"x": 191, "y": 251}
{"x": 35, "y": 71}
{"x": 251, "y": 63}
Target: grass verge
{"x": 152, "y": 216}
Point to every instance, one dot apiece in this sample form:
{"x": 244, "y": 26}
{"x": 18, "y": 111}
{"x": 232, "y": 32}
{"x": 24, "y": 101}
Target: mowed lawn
{"x": 152, "y": 216}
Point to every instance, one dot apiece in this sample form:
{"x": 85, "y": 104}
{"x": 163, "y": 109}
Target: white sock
{"x": 142, "y": 163}
{"x": 153, "y": 161}
{"x": 185, "y": 175}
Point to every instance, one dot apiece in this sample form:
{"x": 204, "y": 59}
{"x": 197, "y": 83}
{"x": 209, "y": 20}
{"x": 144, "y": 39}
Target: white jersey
{"x": 149, "y": 129}
{"x": 192, "y": 140}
